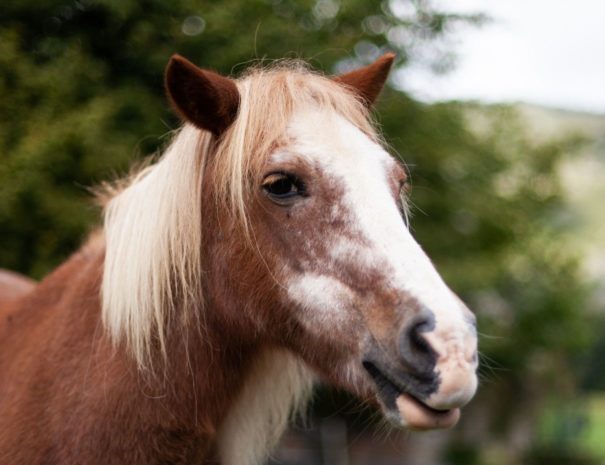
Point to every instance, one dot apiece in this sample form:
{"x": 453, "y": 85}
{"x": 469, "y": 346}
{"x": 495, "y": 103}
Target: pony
{"x": 267, "y": 248}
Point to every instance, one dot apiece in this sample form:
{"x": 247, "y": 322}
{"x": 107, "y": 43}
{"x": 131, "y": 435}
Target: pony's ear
{"x": 369, "y": 80}
{"x": 204, "y": 98}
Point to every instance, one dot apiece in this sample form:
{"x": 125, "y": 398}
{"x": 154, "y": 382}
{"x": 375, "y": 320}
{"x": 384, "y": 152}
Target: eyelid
{"x": 273, "y": 177}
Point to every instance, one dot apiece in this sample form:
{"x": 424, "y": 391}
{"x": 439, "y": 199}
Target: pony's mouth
{"x": 404, "y": 409}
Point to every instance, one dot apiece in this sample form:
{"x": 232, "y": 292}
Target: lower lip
{"x": 418, "y": 416}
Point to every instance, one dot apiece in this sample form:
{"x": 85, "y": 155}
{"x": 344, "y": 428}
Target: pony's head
{"x": 279, "y": 208}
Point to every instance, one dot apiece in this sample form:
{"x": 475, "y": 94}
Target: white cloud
{"x": 539, "y": 51}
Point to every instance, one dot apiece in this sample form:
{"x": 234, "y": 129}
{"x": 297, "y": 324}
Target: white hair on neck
{"x": 153, "y": 263}
{"x": 276, "y": 389}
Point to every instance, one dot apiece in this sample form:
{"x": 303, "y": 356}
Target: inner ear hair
{"x": 202, "y": 97}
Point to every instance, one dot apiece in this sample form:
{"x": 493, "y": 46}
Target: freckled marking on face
{"x": 454, "y": 343}
{"x": 365, "y": 170}
{"x": 324, "y": 299}
{"x": 346, "y": 251}
{"x": 360, "y": 252}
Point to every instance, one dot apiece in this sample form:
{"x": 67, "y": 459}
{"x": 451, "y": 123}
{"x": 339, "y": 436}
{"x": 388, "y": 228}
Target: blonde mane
{"x": 153, "y": 259}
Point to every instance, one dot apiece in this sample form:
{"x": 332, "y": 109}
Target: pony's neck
{"x": 245, "y": 392}
{"x": 238, "y": 393}
{"x": 193, "y": 399}
{"x": 277, "y": 386}
{"x": 234, "y": 390}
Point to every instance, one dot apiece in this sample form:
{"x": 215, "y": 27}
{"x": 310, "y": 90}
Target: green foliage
{"x": 82, "y": 93}
{"x": 490, "y": 211}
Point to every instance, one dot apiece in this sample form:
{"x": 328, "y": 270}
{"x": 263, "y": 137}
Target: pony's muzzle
{"x": 440, "y": 357}
{"x": 432, "y": 372}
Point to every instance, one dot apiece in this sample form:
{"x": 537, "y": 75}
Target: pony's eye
{"x": 283, "y": 188}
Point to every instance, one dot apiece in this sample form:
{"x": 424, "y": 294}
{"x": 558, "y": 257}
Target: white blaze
{"x": 353, "y": 160}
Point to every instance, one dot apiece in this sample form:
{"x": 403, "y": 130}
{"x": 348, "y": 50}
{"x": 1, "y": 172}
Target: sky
{"x": 547, "y": 52}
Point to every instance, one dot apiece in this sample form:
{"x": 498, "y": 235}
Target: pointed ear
{"x": 369, "y": 80}
{"x": 204, "y": 98}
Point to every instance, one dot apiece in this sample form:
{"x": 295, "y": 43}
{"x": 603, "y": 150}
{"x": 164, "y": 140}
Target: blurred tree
{"x": 495, "y": 224}
{"x": 81, "y": 97}
{"x": 81, "y": 82}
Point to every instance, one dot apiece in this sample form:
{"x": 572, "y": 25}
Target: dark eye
{"x": 283, "y": 188}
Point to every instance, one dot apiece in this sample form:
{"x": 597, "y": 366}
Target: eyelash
{"x": 403, "y": 202}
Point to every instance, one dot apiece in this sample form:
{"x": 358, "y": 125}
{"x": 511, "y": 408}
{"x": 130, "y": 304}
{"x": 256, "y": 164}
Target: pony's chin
{"x": 409, "y": 412}
{"x": 405, "y": 410}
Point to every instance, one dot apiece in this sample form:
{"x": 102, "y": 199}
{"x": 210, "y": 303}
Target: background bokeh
{"x": 508, "y": 198}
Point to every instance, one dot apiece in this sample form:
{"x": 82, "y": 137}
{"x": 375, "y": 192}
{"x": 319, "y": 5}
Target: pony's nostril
{"x": 416, "y": 352}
